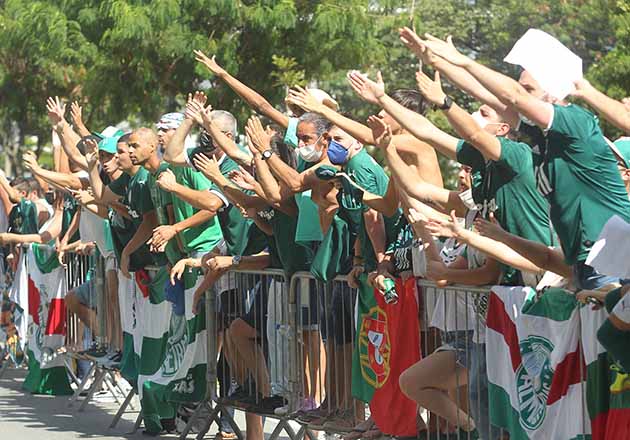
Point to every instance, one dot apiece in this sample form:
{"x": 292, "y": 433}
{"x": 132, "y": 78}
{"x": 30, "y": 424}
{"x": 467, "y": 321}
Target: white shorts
{"x": 622, "y": 308}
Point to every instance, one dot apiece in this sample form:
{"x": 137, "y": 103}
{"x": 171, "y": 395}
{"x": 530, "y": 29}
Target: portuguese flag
{"x": 46, "y": 287}
{"x": 388, "y": 342}
{"x": 607, "y": 387}
{"x": 535, "y": 364}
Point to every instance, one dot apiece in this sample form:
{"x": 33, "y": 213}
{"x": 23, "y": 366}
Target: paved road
{"x": 29, "y": 417}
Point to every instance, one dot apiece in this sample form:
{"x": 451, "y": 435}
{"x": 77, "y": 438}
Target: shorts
{"x": 110, "y": 263}
{"x": 338, "y": 304}
{"x": 87, "y": 294}
{"x": 308, "y": 303}
{"x": 461, "y": 343}
{"x": 256, "y": 315}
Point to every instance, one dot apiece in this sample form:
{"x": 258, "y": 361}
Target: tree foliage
{"x": 133, "y": 60}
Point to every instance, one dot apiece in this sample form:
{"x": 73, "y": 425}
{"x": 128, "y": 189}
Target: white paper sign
{"x": 549, "y": 61}
{"x": 610, "y": 254}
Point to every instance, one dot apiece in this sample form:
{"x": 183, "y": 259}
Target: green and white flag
{"x": 47, "y": 326}
{"x": 535, "y": 365}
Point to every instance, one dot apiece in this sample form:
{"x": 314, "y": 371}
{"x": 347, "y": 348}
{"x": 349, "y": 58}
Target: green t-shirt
{"x": 241, "y": 235}
{"x": 293, "y": 257}
{"x": 205, "y": 236}
{"x": 508, "y": 188}
{"x": 137, "y": 199}
{"x": 23, "y": 217}
{"x": 162, "y": 200}
{"x": 370, "y": 176}
{"x": 578, "y": 175}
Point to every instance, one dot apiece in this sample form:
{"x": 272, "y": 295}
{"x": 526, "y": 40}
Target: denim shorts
{"x": 87, "y": 294}
{"x": 460, "y": 342}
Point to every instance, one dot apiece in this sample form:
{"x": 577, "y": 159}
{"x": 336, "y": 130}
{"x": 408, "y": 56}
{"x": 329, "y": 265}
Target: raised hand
{"x": 367, "y": 89}
{"x": 304, "y": 99}
{"x": 199, "y": 114}
{"x": 411, "y": 40}
{"x": 199, "y": 97}
{"x": 56, "y": 111}
{"x": 76, "y": 112}
{"x": 91, "y": 152}
{"x": 243, "y": 179}
{"x": 491, "y": 229}
{"x": 166, "y": 180}
{"x": 444, "y": 228}
{"x": 208, "y": 166}
{"x": 260, "y": 139}
{"x": 381, "y": 132}
{"x": 431, "y": 89}
{"x": 582, "y": 87}
{"x": 210, "y": 63}
{"x": 84, "y": 197}
{"x": 446, "y": 49}
{"x": 30, "y": 162}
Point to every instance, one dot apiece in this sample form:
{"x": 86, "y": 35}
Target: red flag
{"x": 394, "y": 346}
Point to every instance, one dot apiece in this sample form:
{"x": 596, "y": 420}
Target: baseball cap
{"x": 169, "y": 121}
{"x": 108, "y": 144}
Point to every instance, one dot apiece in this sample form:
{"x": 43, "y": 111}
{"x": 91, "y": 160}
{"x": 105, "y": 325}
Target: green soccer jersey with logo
{"x": 137, "y": 199}
{"x": 205, "y": 236}
{"x": 370, "y": 176}
{"x": 70, "y": 207}
{"x": 578, "y": 175}
{"x": 23, "y": 217}
{"x": 293, "y": 257}
{"x": 507, "y": 187}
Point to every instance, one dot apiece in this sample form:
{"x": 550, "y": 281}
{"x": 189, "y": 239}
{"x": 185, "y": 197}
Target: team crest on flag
{"x": 374, "y": 348}
{"x": 533, "y": 380}
{"x": 176, "y": 345}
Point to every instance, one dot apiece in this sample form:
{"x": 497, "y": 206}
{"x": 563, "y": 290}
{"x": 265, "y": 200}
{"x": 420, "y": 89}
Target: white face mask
{"x": 479, "y": 119}
{"x": 309, "y": 152}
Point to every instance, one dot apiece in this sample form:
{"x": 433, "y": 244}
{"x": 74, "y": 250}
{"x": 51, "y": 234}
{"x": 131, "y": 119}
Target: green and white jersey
{"x": 23, "y": 217}
{"x": 577, "y": 173}
{"x": 293, "y": 257}
{"x": 163, "y": 202}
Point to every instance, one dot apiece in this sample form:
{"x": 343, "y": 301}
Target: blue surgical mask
{"x": 337, "y": 154}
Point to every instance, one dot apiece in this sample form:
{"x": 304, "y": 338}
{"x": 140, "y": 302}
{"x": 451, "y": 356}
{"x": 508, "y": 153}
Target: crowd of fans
{"x": 538, "y": 180}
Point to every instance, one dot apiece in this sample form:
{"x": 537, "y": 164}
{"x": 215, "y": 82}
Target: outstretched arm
{"x": 612, "y": 110}
{"x": 463, "y": 123}
{"x": 250, "y": 96}
{"x": 174, "y": 152}
{"x": 458, "y": 76}
{"x": 68, "y": 137}
{"x": 503, "y": 87}
{"x": 63, "y": 180}
{"x": 413, "y": 122}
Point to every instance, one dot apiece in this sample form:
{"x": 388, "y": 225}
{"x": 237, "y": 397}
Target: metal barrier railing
{"x": 316, "y": 385}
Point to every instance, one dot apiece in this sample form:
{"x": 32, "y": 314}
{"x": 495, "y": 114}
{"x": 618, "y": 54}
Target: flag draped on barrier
{"x": 46, "y": 290}
{"x": 535, "y": 364}
{"x": 608, "y": 388}
{"x": 388, "y": 342}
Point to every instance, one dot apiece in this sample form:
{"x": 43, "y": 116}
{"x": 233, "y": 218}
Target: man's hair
{"x": 20, "y": 184}
{"x": 34, "y": 186}
{"x": 286, "y": 153}
{"x": 124, "y": 139}
{"x": 322, "y": 125}
{"x": 411, "y": 99}
{"x": 225, "y": 120}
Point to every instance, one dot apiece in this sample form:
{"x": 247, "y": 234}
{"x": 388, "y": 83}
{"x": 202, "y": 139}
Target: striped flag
{"x": 535, "y": 364}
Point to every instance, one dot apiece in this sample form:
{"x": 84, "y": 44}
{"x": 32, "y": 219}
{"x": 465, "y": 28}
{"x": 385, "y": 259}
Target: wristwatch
{"x": 448, "y": 102}
{"x": 236, "y": 260}
{"x": 266, "y": 154}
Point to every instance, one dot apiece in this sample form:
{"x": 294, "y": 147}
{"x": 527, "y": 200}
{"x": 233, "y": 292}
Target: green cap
{"x": 622, "y": 150}
{"x": 108, "y": 144}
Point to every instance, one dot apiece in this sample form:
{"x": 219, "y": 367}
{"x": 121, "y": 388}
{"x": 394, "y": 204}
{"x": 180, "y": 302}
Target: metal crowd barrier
{"x": 314, "y": 352}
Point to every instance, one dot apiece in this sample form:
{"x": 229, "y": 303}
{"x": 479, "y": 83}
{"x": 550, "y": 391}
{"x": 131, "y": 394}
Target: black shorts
{"x": 337, "y": 300}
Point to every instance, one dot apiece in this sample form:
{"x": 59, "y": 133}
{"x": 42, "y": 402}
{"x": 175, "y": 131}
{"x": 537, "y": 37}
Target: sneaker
{"x": 268, "y": 405}
{"x": 340, "y": 423}
{"x": 306, "y": 417}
